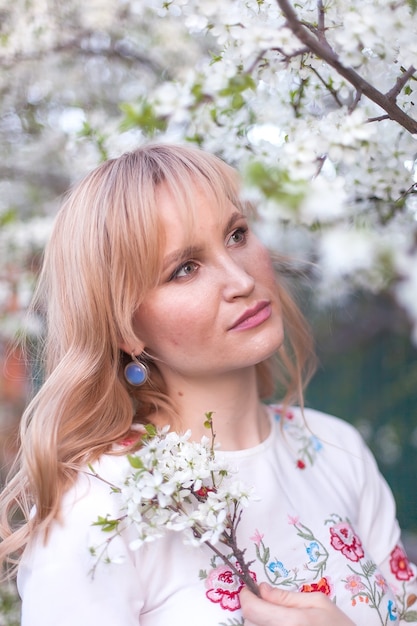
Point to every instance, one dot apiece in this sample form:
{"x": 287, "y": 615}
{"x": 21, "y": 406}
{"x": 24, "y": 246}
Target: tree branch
{"x": 324, "y": 51}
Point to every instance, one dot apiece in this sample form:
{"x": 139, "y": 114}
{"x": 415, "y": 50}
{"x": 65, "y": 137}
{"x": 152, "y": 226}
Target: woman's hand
{"x": 290, "y": 608}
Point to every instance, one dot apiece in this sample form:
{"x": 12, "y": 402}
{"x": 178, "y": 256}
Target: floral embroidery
{"x": 275, "y": 570}
{"x": 322, "y": 585}
{"x": 313, "y": 551}
{"x": 308, "y": 445}
{"x": 276, "y": 567}
{"x": 392, "y": 611}
{"x": 354, "y": 584}
{"x": 400, "y": 565}
{"x": 367, "y": 586}
{"x": 344, "y": 539}
{"x": 256, "y": 537}
{"x": 223, "y": 587}
{"x": 381, "y": 582}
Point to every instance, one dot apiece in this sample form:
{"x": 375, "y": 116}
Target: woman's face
{"x": 216, "y": 308}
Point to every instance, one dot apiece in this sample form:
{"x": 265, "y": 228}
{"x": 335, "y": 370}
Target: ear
{"x": 136, "y": 348}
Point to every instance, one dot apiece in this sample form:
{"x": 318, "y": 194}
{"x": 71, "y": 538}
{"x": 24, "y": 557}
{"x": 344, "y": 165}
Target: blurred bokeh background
{"x": 83, "y": 81}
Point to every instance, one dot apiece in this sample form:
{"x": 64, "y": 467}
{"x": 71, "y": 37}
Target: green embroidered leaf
{"x": 369, "y": 569}
{"x": 202, "y": 574}
{"x": 410, "y": 616}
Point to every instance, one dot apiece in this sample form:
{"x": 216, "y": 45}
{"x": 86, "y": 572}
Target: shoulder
{"x": 323, "y": 425}
{"x": 94, "y": 491}
{"x": 317, "y": 435}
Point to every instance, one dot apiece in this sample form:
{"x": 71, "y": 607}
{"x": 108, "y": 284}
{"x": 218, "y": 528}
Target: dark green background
{"x": 368, "y": 376}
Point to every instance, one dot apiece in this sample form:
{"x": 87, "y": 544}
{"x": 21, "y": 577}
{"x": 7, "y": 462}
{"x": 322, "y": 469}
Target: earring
{"x": 136, "y": 373}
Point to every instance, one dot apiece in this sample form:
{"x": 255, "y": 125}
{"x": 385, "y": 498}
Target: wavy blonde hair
{"x": 101, "y": 260}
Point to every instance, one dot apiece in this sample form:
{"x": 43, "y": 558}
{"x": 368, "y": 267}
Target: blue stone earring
{"x": 136, "y": 373}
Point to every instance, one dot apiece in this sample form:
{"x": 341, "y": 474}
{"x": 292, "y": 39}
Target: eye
{"x": 184, "y": 270}
{"x": 239, "y": 235}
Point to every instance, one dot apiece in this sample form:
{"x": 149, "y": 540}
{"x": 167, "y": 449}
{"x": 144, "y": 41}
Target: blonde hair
{"x": 102, "y": 258}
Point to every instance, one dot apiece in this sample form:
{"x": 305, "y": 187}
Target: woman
{"x": 161, "y": 305}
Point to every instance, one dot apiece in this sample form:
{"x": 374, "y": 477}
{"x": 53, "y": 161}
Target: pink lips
{"x": 254, "y": 316}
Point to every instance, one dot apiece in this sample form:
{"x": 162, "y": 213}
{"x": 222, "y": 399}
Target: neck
{"x": 239, "y": 419}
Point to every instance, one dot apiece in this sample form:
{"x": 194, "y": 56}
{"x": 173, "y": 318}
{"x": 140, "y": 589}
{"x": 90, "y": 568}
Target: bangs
{"x": 184, "y": 173}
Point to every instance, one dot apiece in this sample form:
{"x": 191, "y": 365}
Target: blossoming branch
{"x": 179, "y": 485}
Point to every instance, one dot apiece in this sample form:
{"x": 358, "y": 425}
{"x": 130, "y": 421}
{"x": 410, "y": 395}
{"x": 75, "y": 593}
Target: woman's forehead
{"x": 185, "y": 209}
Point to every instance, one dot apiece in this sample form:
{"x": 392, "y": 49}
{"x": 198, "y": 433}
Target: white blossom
{"x": 175, "y": 484}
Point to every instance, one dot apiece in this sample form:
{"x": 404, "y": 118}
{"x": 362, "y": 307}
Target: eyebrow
{"x": 189, "y": 252}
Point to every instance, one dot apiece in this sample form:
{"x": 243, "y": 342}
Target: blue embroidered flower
{"x": 392, "y": 610}
{"x": 313, "y": 551}
{"x": 316, "y": 443}
{"x": 276, "y": 567}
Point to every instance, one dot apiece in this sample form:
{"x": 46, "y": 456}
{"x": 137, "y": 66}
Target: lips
{"x": 253, "y": 316}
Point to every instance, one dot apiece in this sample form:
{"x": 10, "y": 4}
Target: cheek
{"x": 264, "y": 270}
{"x": 173, "y": 322}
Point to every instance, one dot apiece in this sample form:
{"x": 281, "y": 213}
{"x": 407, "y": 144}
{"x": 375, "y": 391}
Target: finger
{"x": 293, "y": 599}
{"x": 257, "y": 611}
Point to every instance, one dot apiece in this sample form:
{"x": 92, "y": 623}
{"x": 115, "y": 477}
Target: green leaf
{"x": 413, "y": 5}
{"x": 208, "y": 422}
{"x": 275, "y": 183}
{"x": 107, "y": 525}
{"x": 135, "y": 461}
{"x": 142, "y": 115}
{"x": 151, "y": 430}
{"x": 8, "y": 216}
{"x": 237, "y": 84}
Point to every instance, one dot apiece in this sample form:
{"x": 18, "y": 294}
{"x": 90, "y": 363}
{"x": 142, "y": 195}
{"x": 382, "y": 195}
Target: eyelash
{"x": 175, "y": 273}
{"x": 242, "y": 230}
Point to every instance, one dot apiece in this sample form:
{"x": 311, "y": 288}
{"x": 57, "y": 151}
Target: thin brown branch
{"x": 81, "y": 44}
{"x": 324, "y": 51}
{"x": 329, "y": 88}
{"x": 294, "y": 54}
{"x": 401, "y": 82}
{"x": 355, "y": 102}
{"x": 321, "y": 28}
{"x": 380, "y": 118}
{"x": 243, "y": 576}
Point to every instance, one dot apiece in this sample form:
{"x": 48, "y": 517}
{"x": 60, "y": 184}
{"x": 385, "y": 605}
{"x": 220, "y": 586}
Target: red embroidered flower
{"x": 223, "y": 587}
{"x": 322, "y": 585}
{"x": 343, "y": 538}
{"x": 301, "y": 464}
{"x": 400, "y": 565}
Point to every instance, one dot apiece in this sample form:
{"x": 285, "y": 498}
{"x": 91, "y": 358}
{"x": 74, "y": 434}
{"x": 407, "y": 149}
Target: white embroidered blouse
{"x": 324, "y": 522}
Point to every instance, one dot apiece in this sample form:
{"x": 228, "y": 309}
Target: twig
{"x": 401, "y": 81}
{"x": 324, "y": 51}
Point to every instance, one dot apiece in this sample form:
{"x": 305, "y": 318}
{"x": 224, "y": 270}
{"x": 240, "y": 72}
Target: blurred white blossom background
{"x": 314, "y": 101}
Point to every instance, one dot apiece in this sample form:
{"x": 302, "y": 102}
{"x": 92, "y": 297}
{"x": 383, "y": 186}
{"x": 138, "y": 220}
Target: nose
{"x": 237, "y": 282}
